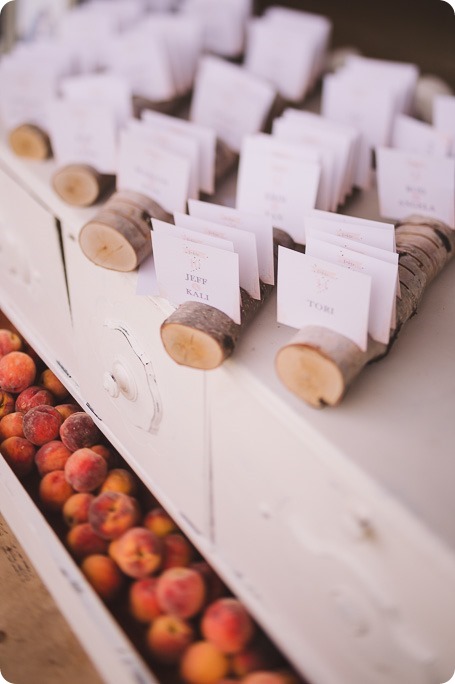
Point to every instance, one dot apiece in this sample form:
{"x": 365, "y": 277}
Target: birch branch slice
{"x": 30, "y": 141}
{"x": 81, "y": 185}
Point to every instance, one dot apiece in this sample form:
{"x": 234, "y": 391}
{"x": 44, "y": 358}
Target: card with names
{"x": 364, "y": 231}
{"x": 444, "y": 116}
{"x": 148, "y": 168}
{"x": 244, "y": 244}
{"x": 83, "y": 133}
{"x": 277, "y": 183}
{"x": 102, "y": 88}
{"x": 25, "y": 93}
{"x": 383, "y": 282}
{"x": 415, "y": 184}
{"x": 312, "y": 291}
{"x": 231, "y": 101}
{"x": 411, "y": 135}
{"x": 260, "y": 225}
{"x": 188, "y": 271}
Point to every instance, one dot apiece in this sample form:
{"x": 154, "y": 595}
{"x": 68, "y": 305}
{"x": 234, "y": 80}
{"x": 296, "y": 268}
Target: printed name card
{"x": 415, "y": 184}
{"x": 364, "y": 231}
{"x": 312, "y": 291}
{"x": 277, "y": 181}
{"x": 223, "y": 22}
{"x": 189, "y": 271}
{"x": 103, "y": 88}
{"x": 411, "y": 135}
{"x": 231, "y": 101}
{"x": 444, "y": 116}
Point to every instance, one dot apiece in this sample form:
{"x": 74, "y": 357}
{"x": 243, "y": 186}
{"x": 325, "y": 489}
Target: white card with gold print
{"x": 315, "y": 292}
{"x": 365, "y": 232}
{"x": 189, "y": 271}
{"x": 191, "y": 235}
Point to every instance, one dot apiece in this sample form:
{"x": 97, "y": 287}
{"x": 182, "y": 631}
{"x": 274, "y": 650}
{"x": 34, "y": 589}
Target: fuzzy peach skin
{"x": 19, "y": 453}
{"x": 142, "y": 601}
{"x": 110, "y": 455}
{"x": 181, "y": 592}
{"x": 85, "y": 470}
{"x": 33, "y": 396}
{"x": 119, "y": 480}
{"x": 11, "y": 425}
{"x": 178, "y": 552}
{"x": 17, "y": 371}
{"x": 9, "y": 341}
{"x": 259, "y": 655}
{"x": 168, "y": 637}
{"x": 75, "y": 509}
{"x": 51, "y": 456}
{"x": 7, "y": 403}
{"x": 214, "y": 585}
{"x": 82, "y": 541}
{"x": 79, "y": 431}
{"x": 138, "y": 552}
{"x": 103, "y": 575}
{"x": 113, "y": 513}
{"x": 41, "y": 424}
{"x": 227, "y": 624}
{"x": 203, "y": 663}
{"x": 50, "y": 381}
{"x": 271, "y": 677}
{"x": 159, "y": 521}
{"x": 54, "y": 490}
{"x": 66, "y": 410}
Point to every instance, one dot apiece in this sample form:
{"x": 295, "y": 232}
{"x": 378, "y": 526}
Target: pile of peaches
{"x": 127, "y": 546}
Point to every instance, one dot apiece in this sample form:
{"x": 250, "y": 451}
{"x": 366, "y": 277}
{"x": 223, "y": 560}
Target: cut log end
{"x": 81, "y": 185}
{"x": 191, "y": 347}
{"x": 310, "y": 375}
{"x": 107, "y": 247}
{"x": 30, "y": 141}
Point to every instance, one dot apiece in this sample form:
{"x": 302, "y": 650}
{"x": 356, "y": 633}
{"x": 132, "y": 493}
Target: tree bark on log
{"x": 30, "y": 141}
{"x": 200, "y": 336}
{"x": 319, "y": 365}
{"x": 81, "y": 185}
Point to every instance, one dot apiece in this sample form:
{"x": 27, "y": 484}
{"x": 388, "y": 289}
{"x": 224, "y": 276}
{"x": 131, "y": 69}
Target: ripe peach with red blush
{"x": 227, "y": 624}
{"x": 51, "y": 456}
{"x": 54, "y": 490}
{"x": 50, "y": 381}
{"x": 214, "y": 585}
{"x": 79, "y": 431}
{"x": 17, "y": 371}
{"x": 270, "y": 677}
{"x": 103, "y": 575}
{"x": 41, "y": 424}
{"x": 181, "y": 592}
{"x": 9, "y": 341}
{"x": 203, "y": 663}
{"x": 113, "y": 513}
{"x": 142, "y": 601}
{"x": 85, "y": 470}
{"x": 11, "y": 425}
{"x": 110, "y": 455}
{"x": 159, "y": 521}
{"x": 119, "y": 480}
{"x": 75, "y": 509}
{"x": 82, "y": 541}
{"x": 19, "y": 453}
{"x": 178, "y": 551}
{"x": 7, "y": 403}
{"x": 66, "y": 410}
{"x": 257, "y": 656}
{"x": 138, "y": 552}
{"x": 33, "y": 396}
{"x": 168, "y": 637}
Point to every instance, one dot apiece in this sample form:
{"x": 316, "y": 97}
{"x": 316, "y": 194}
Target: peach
{"x": 113, "y": 513}
{"x": 110, "y": 455}
{"x": 17, "y": 371}
{"x": 75, "y": 509}
{"x": 19, "y": 453}
{"x": 54, "y": 490}
{"x": 11, "y": 425}
{"x": 270, "y": 677}
{"x": 9, "y": 341}
{"x": 138, "y": 552}
{"x": 227, "y": 624}
{"x": 82, "y": 541}
{"x": 142, "y": 601}
{"x": 50, "y": 381}
{"x": 33, "y": 396}
{"x": 168, "y": 637}
{"x": 181, "y": 592}
{"x": 79, "y": 431}
{"x": 203, "y": 663}
{"x": 51, "y": 456}
{"x": 7, "y": 403}
{"x": 103, "y": 575}
{"x": 178, "y": 551}
{"x": 85, "y": 470}
{"x": 159, "y": 521}
{"x": 255, "y": 657}
{"x": 214, "y": 585}
{"x": 66, "y": 410}
{"x": 41, "y": 424}
{"x": 119, "y": 480}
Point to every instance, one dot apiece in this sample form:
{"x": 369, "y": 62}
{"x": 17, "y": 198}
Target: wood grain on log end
{"x": 111, "y": 241}
{"x": 30, "y": 141}
{"x": 81, "y": 185}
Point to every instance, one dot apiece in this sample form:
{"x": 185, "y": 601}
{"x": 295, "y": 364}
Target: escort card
{"x": 223, "y": 22}
{"x": 244, "y": 245}
{"x": 25, "y": 92}
{"x": 157, "y": 173}
{"x": 191, "y": 235}
{"x": 83, "y": 133}
{"x": 364, "y": 231}
{"x": 383, "y": 282}
{"x": 314, "y": 292}
{"x": 261, "y": 226}
{"x": 415, "y": 184}
{"x": 276, "y": 181}
{"x": 187, "y": 271}
{"x": 444, "y": 116}
{"x": 229, "y": 100}
{"x": 411, "y": 135}
{"x": 104, "y": 88}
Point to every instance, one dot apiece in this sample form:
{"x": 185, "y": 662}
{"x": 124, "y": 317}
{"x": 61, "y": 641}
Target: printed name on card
{"x": 188, "y": 271}
{"x": 315, "y": 292}
{"x": 415, "y": 184}
{"x": 376, "y": 234}
{"x": 102, "y": 88}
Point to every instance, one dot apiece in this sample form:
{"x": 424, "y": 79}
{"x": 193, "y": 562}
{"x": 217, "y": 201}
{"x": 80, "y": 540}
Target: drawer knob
{"x": 124, "y": 380}
{"x": 110, "y": 385}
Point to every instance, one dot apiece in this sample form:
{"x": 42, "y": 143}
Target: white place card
{"x": 411, "y": 135}
{"x": 374, "y": 233}
{"x": 25, "y": 93}
{"x": 314, "y": 292}
{"x": 444, "y": 116}
{"x": 231, "y": 101}
{"x": 244, "y": 244}
{"x": 83, "y": 133}
{"x": 260, "y": 225}
{"x": 153, "y": 171}
{"x": 383, "y": 282}
{"x": 277, "y": 182}
{"x": 192, "y": 235}
{"x": 187, "y": 271}
{"x": 104, "y": 88}
{"x": 415, "y": 184}
{"x": 223, "y": 22}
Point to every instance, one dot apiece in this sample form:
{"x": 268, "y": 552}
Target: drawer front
{"x": 32, "y": 281}
{"x": 354, "y": 590}
{"x": 152, "y": 408}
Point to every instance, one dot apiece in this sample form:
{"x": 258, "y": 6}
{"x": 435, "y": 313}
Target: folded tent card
{"x": 443, "y": 116}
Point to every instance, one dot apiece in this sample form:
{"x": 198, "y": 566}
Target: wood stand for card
{"x": 199, "y": 336}
{"x": 81, "y": 185}
{"x": 172, "y": 106}
{"x": 319, "y": 365}
{"x": 30, "y": 141}
{"x": 118, "y": 236}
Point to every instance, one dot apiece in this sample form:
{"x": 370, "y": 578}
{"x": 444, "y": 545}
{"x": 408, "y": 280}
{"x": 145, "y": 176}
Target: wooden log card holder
{"x": 319, "y": 365}
{"x": 30, "y": 141}
{"x": 81, "y": 185}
